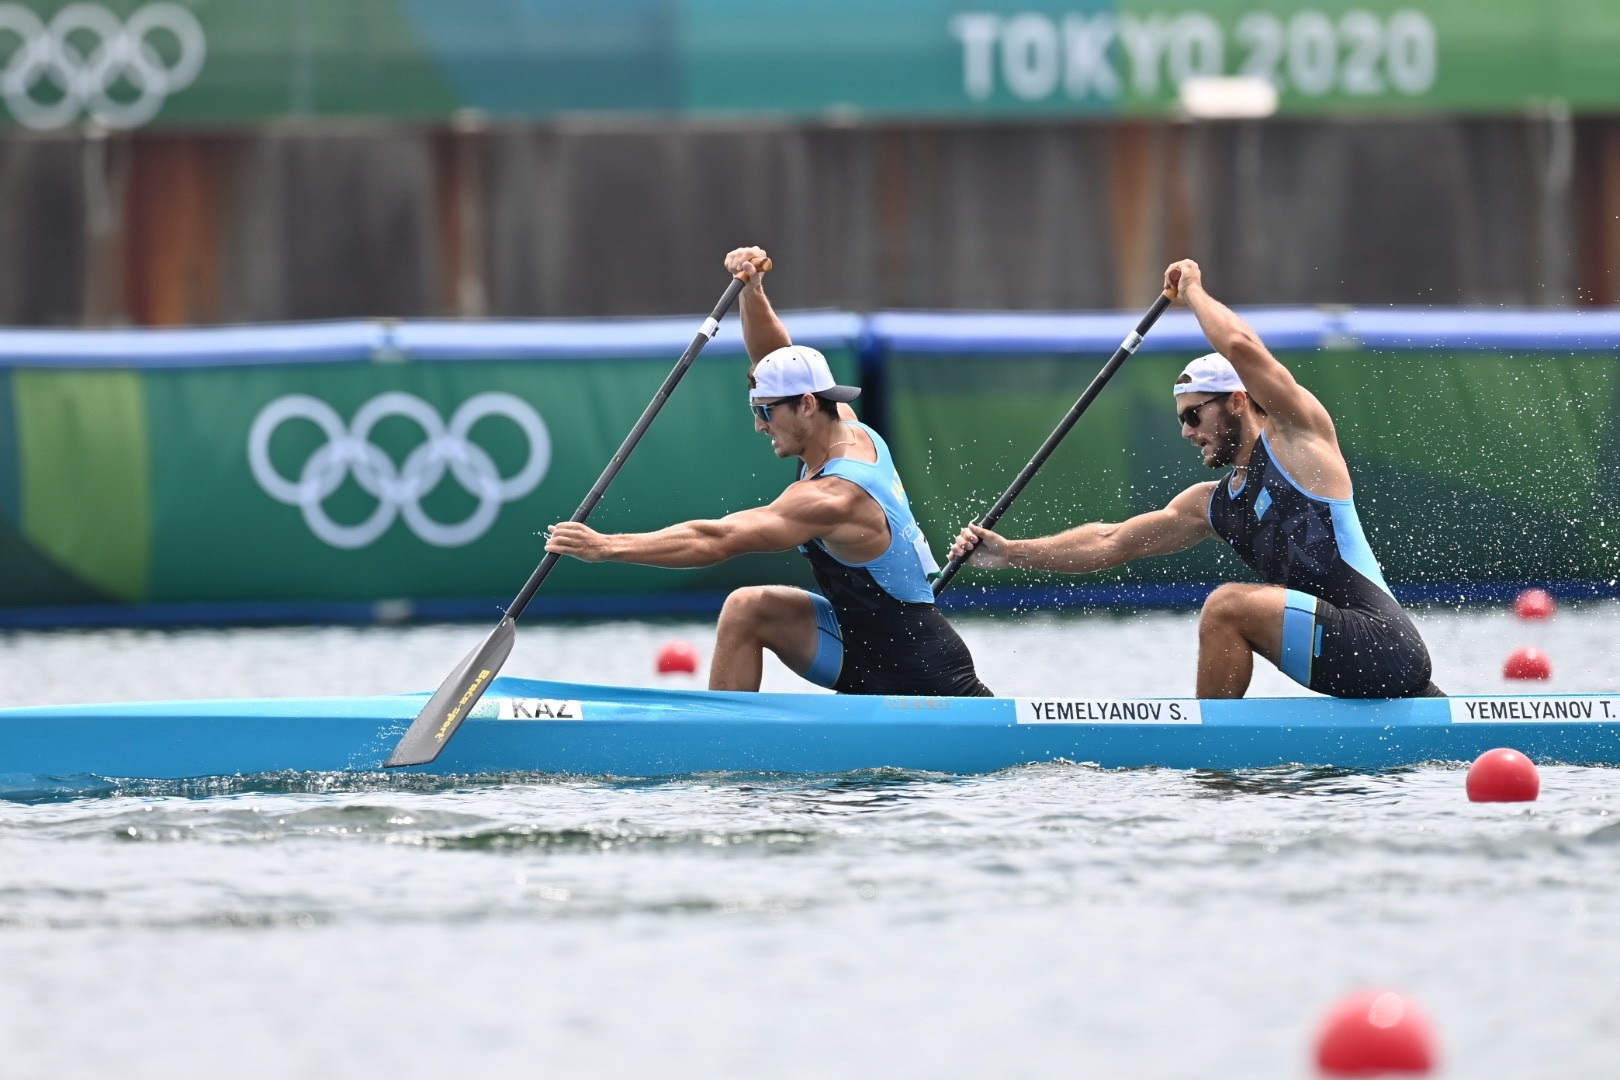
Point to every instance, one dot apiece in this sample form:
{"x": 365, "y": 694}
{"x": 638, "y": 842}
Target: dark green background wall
{"x": 1468, "y": 465}
{"x": 135, "y": 484}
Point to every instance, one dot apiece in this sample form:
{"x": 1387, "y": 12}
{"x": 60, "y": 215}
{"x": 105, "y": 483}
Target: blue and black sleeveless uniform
{"x": 880, "y": 632}
{"x": 1343, "y": 631}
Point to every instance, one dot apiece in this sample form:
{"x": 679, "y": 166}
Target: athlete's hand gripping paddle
{"x": 430, "y": 732}
{"x": 1121, "y": 354}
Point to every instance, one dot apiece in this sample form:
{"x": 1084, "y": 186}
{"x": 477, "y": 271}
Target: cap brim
{"x": 840, "y": 393}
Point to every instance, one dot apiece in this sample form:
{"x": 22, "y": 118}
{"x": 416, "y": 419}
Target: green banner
{"x": 1018, "y": 58}
{"x": 1468, "y": 466}
{"x": 365, "y": 480}
{"x": 367, "y": 462}
{"x": 129, "y": 63}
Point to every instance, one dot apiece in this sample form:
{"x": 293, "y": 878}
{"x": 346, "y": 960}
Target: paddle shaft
{"x": 1121, "y": 354}
{"x": 711, "y": 325}
{"x": 444, "y": 712}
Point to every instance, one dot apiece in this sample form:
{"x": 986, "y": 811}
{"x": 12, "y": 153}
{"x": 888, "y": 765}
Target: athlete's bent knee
{"x": 746, "y": 608}
{"x": 1227, "y": 604}
{"x": 762, "y": 609}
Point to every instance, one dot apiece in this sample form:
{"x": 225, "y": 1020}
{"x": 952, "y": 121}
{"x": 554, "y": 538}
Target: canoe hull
{"x": 532, "y": 726}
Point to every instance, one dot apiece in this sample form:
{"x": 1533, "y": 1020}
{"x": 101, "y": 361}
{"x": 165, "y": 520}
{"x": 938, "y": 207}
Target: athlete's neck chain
{"x": 830, "y": 449}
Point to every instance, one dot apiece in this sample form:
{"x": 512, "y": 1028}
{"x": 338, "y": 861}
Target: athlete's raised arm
{"x": 1097, "y": 545}
{"x": 763, "y": 332}
{"x": 1271, "y": 385}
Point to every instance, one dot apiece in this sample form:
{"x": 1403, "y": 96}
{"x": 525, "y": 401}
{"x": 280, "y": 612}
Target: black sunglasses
{"x": 762, "y": 409}
{"x": 1189, "y": 415}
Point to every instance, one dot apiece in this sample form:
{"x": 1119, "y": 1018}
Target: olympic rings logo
{"x": 398, "y": 489}
{"x": 81, "y": 76}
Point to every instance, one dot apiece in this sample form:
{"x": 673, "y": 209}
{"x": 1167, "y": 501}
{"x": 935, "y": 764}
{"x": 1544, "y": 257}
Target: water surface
{"x": 1053, "y": 920}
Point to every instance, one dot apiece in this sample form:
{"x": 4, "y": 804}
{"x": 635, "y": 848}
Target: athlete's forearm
{"x": 1081, "y": 550}
{"x": 762, "y": 331}
{"x": 686, "y": 546}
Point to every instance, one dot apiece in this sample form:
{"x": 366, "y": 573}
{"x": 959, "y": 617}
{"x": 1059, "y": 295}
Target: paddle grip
{"x": 1121, "y": 354}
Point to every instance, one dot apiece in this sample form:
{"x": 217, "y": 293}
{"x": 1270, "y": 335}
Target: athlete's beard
{"x": 1225, "y": 441}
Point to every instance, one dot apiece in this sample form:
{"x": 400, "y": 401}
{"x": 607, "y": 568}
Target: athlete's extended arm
{"x": 1098, "y": 545}
{"x": 804, "y": 512}
{"x": 1268, "y": 382}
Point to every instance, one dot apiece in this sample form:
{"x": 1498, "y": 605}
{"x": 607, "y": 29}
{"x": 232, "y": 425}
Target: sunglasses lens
{"x": 763, "y": 411}
{"x": 1190, "y": 415}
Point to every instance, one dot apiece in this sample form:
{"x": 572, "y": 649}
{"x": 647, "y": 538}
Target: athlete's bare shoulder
{"x": 1194, "y": 500}
{"x": 1311, "y": 457}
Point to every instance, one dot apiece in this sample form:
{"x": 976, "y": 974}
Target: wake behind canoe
{"x": 536, "y": 726}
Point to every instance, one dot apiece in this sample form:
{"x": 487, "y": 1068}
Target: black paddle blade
{"x": 455, "y": 698}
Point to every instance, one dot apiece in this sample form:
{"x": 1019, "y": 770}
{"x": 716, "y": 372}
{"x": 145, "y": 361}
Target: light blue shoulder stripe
{"x": 899, "y": 571}
{"x": 1347, "y": 530}
{"x": 1353, "y": 546}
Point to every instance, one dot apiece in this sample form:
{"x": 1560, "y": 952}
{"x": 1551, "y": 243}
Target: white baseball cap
{"x": 1211, "y": 373}
{"x": 798, "y": 369}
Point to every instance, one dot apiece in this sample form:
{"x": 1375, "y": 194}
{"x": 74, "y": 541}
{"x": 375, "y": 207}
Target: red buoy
{"x": 677, "y": 657}
{"x": 1503, "y": 775}
{"x": 1534, "y": 604}
{"x": 1527, "y": 662}
{"x": 1375, "y": 1031}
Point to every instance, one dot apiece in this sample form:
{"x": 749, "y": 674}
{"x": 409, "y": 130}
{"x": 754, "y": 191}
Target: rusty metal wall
{"x": 560, "y": 220}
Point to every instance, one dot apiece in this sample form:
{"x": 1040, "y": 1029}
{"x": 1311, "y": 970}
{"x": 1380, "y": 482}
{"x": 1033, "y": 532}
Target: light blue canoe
{"x": 529, "y": 726}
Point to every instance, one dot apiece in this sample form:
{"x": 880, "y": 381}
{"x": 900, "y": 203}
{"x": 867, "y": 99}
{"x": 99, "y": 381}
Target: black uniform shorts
{"x": 1359, "y": 652}
{"x": 910, "y": 651}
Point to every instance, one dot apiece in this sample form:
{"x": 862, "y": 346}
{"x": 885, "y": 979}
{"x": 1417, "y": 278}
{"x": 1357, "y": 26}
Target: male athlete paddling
{"x": 1325, "y": 616}
{"x": 873, "y": 628}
